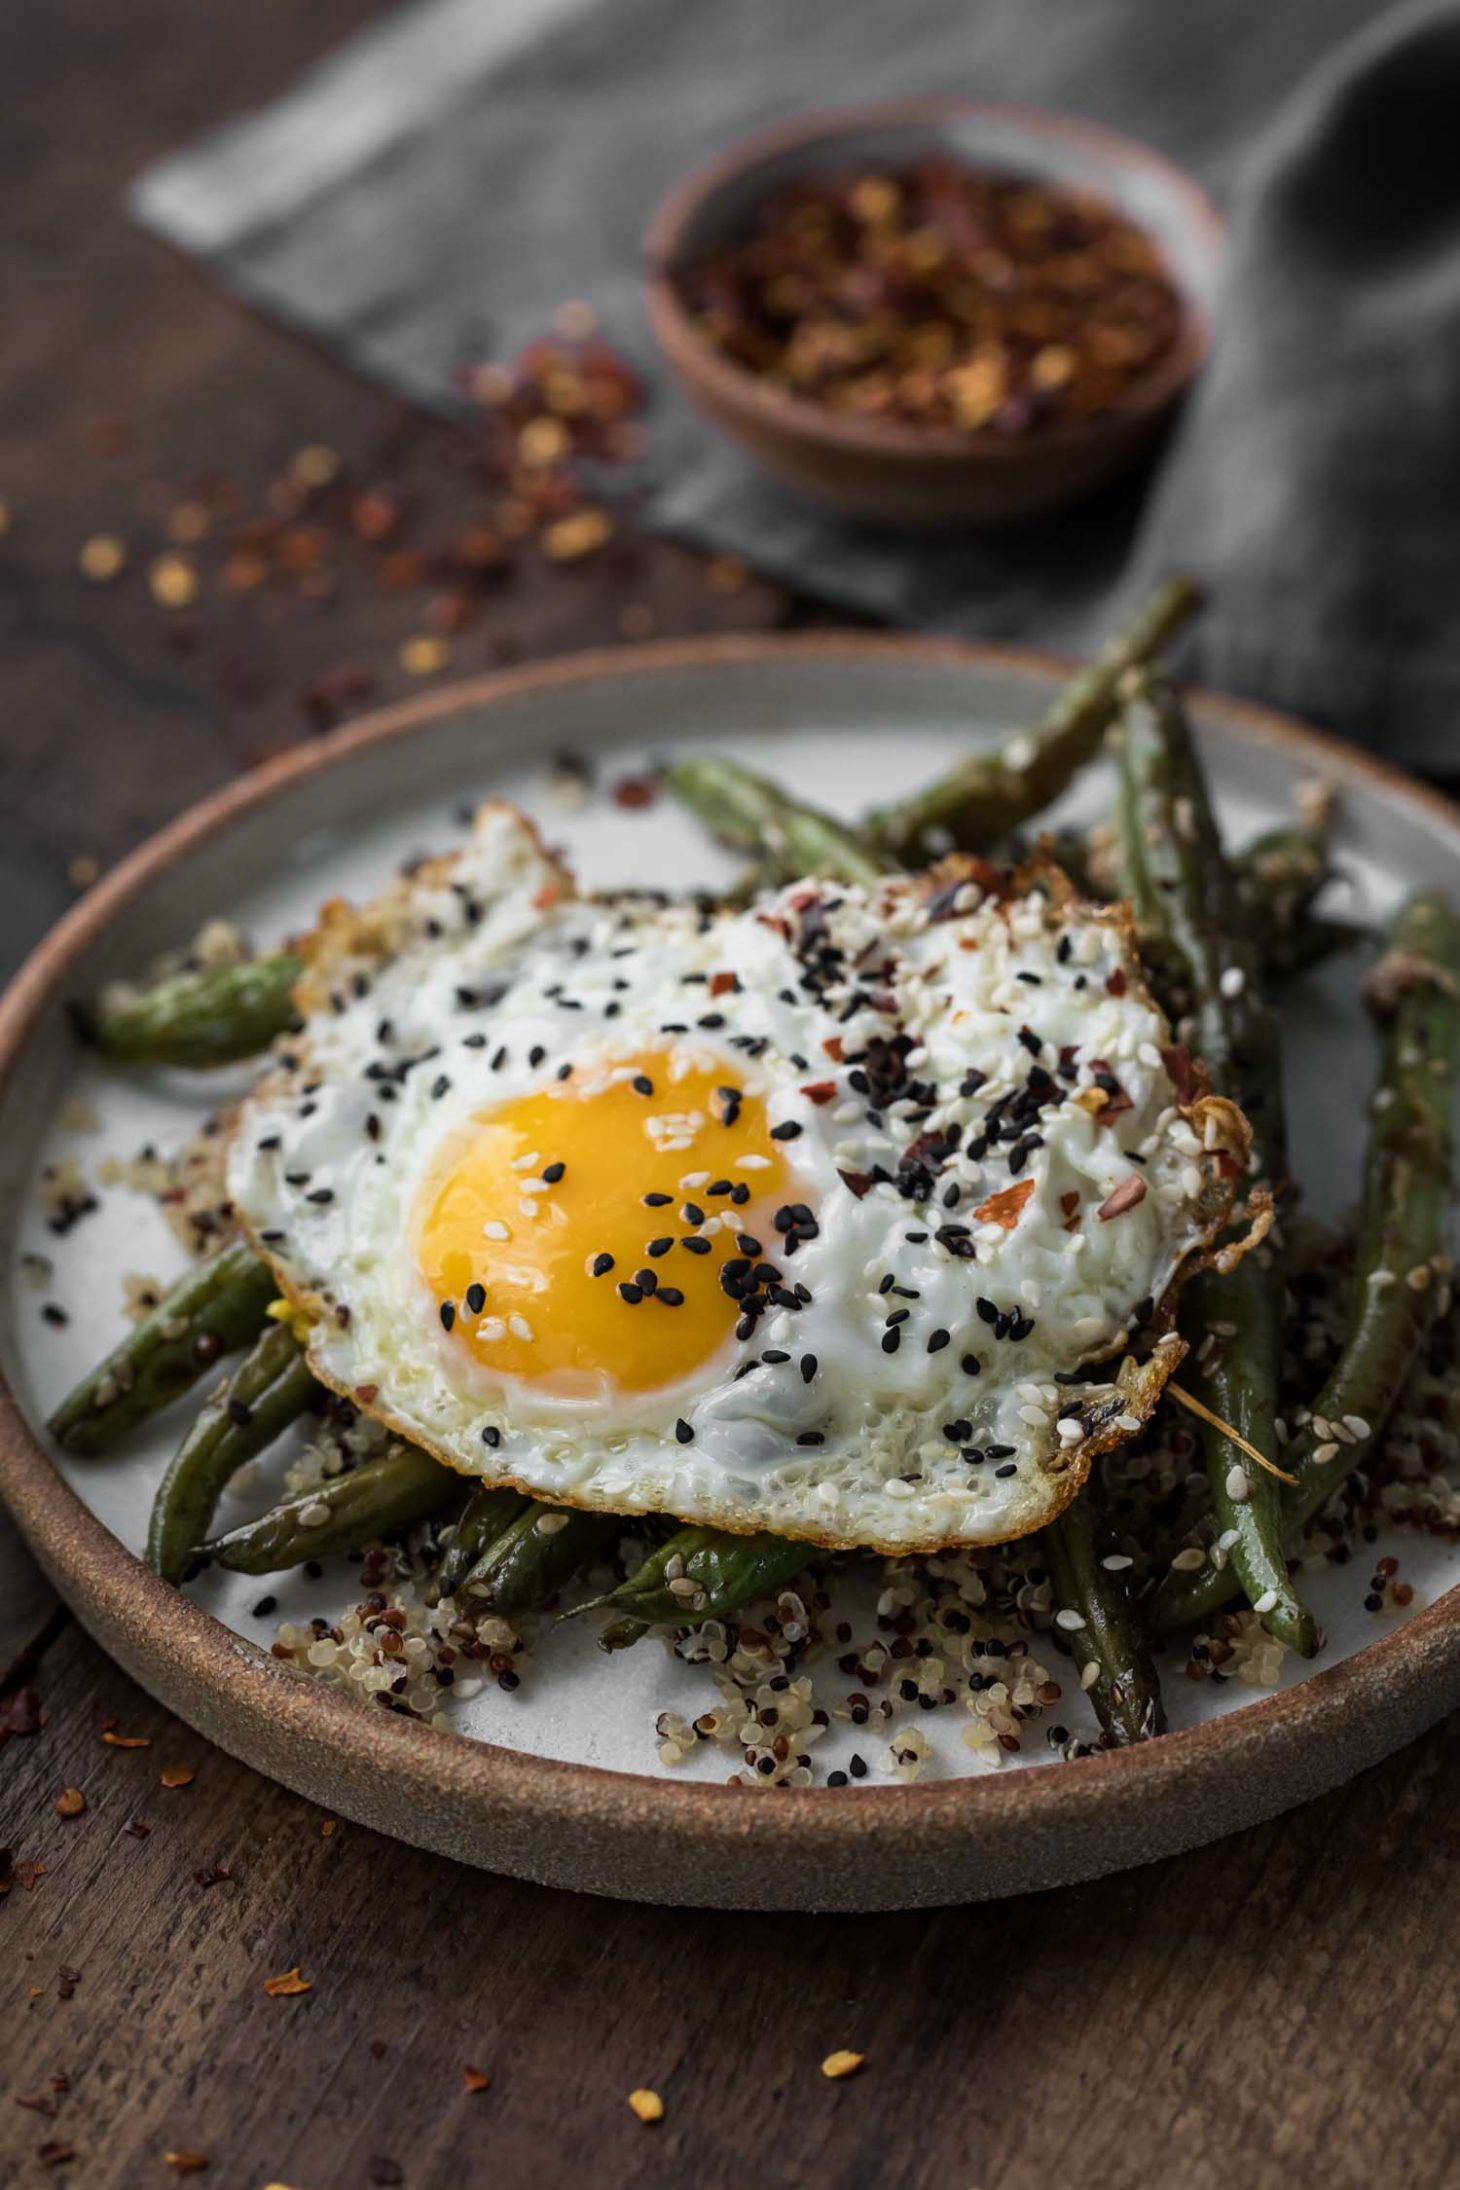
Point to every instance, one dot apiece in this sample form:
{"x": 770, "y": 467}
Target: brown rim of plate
{"x": 1291, "y": 1744}
{"x": 737, "y": 385}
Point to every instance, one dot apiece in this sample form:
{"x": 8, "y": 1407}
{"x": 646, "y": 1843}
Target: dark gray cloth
{"x": 433, "y": 192}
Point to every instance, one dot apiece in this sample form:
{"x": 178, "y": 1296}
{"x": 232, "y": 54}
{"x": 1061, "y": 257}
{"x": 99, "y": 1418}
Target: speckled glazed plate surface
{"x": 561, "y": 1781}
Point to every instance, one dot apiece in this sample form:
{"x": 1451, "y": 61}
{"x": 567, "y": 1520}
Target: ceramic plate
{"x": 561, "y": 1781}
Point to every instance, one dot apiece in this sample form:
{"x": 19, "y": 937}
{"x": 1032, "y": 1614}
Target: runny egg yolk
{"x": 580, "y": 1232}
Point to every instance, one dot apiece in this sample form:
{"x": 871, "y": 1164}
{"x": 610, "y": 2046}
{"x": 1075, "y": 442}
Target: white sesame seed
{"x": 1357, "y": 1425}
{"x": 1233, "y": 981}
{"x": 1187, "y": 1561}
{"x": 1323, "y": 1453}
{"x": 520, "y": 1328}
{"x": 1267, "y": 1602}
{"x": 550, "y": 1524}
{"x": 1071, "y": 1622}
{"x": 1071, "y": 1430}
{"x": 1238, "y": 1487}
{"x": 496, "y": 1229}
{"x": 1090, "y": 1674}
{"x": 490, "y": 1329}
{"x": 315, "y": 1514}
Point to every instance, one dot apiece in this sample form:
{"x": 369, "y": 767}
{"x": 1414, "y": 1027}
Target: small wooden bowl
{"x": 888, "y": 471}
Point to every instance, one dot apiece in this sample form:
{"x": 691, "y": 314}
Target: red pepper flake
{"x": 366, "y": 1392}
{"x": 820, "y": 1091}
{"x": 835, "y": 1048}
{"x": 1129, "y": 1194}
{"x": 1069, "y": 1206}
{"x": 137, "y": 1828}
{"x": 20, "y": 1713}
{"x": 212, "y": 1874}
{"x": 28, "y": 1873}
{"x": 70, "y": 1802}
{"x": 1116, "y": 1104}
{"x": 39, "y": 2102}
{"x": 1182, "y": 1072}
{"x": 287, "y": 1985}
{"x": 857, "y": 1182}
{"x": 475, "y": 2079}
{"x": 723, "y": 984}
{"x": 66, "y": 1982}
{"x": 61, "y": 2082}
{"x": 186, "y": 2163}
{"x": 177, "y": 1775}
{"x": 114, "y": 1740}
{"x": 54, "y": 2153}
{"x": 1116, "y": 983}
{"x": 635, "y": 792}
{"x": 1003, "y": 1208}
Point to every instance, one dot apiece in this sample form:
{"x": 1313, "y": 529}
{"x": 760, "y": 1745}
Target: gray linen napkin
{"x": 432, "y": 192}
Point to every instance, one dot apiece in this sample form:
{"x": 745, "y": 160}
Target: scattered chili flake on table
{"x": 475, "y": 2079}
{"x": 114, "y": 1740}
{"x": 942, "y": 295}
{"x": 70, "y": 1802}
{"x": 177, "y": 1775}
{"x": 187, "y": 2163}
{"x": 837, "y": 2065}
{"x": 286, "y": 1986}
{"x": 28, "y": 1873}
{"x": 647, "y": 2105}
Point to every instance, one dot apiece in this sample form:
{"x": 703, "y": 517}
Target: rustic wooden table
{"x": 1282, "y": 2005}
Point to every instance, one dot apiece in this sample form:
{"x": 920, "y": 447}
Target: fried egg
{"x": 815, "y": 1215}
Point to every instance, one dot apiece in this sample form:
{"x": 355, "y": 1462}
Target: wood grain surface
{"x": 1279, "y": 2008}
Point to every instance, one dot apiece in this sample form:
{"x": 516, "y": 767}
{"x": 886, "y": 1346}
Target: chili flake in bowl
{"x": 933, "y": 312}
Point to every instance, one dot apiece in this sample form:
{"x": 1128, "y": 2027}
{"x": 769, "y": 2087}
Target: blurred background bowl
{"x": 891, "y": 471}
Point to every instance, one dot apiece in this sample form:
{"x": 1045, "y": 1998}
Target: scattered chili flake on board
{"x": 114, "y": 1740}
{"x": 212, "y": 1874}
{"x": 66, "y": 1982}
{"x": 475, "y": 2079}
{"x": 647, "y": 2105}
{"x": 54, "y": 2153}
{"x": 187, "y": 2163}
{"x": 287, "y": 1985}
{"x": 1003, "y": 1208}
{"x": 177, "y": 1775}
{"x": 70, "y": 1802}
{"x": 28, "y": 1873}
{"x": 20, "y": 1713}
{"x": 839, "y": 2064}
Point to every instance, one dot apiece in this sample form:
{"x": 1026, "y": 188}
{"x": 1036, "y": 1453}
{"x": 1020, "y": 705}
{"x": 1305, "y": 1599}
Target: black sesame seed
{"x": 811, "y": 1437}
{"x": 476, "y": 1298}
{"x": 439, "y": 1086}
{"x": 836, "y": 1779}
{"x": 746, "y": 1244}
{"x": 1010, "y": 1467}
{"x": 808, "y": 1367}
{"x": 658, "y": 1247}
{"x": 790, "y": 1130}
{"x": 657, "y": 1201}
{"x": 554, "y": 1172}
{"x": 776, "y": 1355}
{"x": 891, "y": 1340}
{"x": 536, "y": 1054}
{"x": 671, "y": 1296}
{"x": 602, "y": 1264}
{"x": 684, "y": 1431}
{"x": 491, "y": 1436}
{"x": 692, "y": 1213}
{"x": 646, "y": 1280}
{"x": 857, "y": 1766}
{"x": 265, "y": 1606}
{"x": 937, "y": 1340}
{"x": 321, "y": 1194}
{"x": 448, "y": 1314}
{"x": 642, "y": 1084}
{"x": 695, "y": 1244}
{"x": 629, "y": 1292}
{"x": 971, "y": 1365}
{"x": 740, "y": 1195}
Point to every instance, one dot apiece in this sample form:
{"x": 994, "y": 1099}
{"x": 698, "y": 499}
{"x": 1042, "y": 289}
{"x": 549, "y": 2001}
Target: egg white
{"x": 416, "y": 996}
